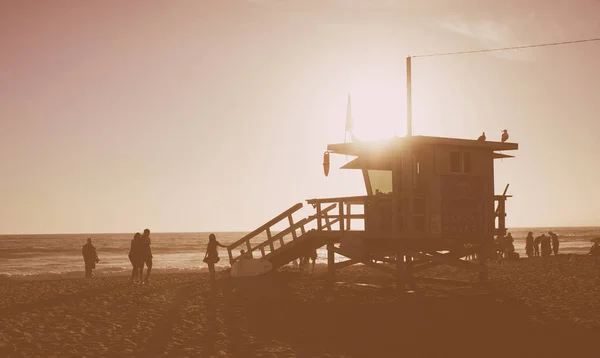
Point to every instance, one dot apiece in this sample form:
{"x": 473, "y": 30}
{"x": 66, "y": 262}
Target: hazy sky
{"x": 213, "y": 115}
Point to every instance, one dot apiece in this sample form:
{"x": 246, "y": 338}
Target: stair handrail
{"x": 346, "y": 199}
{"x": 278, "y": 236}
{"x": 264, "y": 227}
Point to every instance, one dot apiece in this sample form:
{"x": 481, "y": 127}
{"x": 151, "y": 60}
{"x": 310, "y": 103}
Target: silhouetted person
{"x": 212, "y": 255}
{"x": 504, "y": 137}
{"x": 136, "y": 257}
{"x": 546, "y": 247}
{"x": 146, "y": 254}
{"x": 305, "y": 260}
{"x": 529, "y": 245}
{"x": 90, "y": 257}
{"x": 595, "y": 250}
{"x": 555, "y": 242}
{"x": 509, "y": 248}
{"x": 536, "y": 245}
{"x": 481, "y": 137}
{"x": 500, "y": 247}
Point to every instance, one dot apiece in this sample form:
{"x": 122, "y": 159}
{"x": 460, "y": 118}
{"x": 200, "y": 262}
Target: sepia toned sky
{"x": 214, "y": 115}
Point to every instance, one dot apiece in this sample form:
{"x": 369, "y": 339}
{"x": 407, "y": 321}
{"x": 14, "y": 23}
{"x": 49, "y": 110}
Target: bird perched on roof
{"x": 504, "y": 136}
{"x": 481, "y": 137}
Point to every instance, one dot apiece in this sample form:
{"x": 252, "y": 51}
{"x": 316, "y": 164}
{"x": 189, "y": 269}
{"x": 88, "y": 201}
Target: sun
{"x": 379, "y": 106}
{"x": 378, "y": 111}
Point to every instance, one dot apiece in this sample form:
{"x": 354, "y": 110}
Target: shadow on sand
{"x": 370, "y": 321}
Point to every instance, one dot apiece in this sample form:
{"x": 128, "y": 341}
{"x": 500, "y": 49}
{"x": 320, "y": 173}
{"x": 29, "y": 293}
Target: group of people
{"x": 140, "y": 255}
{"x": 505, "y": 248}
{"x": 548, "y": 244}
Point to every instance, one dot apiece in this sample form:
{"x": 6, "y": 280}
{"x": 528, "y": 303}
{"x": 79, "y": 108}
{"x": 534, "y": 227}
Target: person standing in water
{"x": 212, "y": 255}
{"x": 146, "y": 254}
{"x": 90, "y": 257}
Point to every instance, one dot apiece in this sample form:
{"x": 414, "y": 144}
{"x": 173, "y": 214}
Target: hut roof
{"x": 387, "y": 147}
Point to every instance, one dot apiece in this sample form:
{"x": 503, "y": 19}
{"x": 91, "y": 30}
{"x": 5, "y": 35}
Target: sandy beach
{"x": 539, "y": 307}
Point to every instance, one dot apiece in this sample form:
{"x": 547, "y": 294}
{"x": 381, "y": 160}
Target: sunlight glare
{"x": 378, "y": 110}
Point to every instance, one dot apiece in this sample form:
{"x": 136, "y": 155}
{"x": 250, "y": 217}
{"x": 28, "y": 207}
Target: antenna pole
{"x": 408, "y": 98}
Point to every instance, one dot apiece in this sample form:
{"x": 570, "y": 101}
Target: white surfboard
{"x": 250, "y": 267}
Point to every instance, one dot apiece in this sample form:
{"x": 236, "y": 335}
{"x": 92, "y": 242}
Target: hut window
{"x": 460, "y": 162}
{"x": 466, "y": 162}
{"x": 381, "y": 181}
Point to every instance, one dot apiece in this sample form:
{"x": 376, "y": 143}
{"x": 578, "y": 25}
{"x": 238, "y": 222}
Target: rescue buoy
{"x": 326, "y": 163}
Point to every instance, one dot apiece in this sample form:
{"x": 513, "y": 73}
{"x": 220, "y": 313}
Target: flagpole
{"x": 408, "y": 98}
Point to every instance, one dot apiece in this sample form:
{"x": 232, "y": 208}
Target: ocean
{"x": 59, "y": 256}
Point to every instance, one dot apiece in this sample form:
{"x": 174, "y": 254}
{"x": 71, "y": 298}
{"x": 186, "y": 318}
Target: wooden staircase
{"x": 275, "y": 248}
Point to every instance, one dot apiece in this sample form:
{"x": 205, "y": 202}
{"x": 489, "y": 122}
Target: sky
{"x": 195, "y": 116}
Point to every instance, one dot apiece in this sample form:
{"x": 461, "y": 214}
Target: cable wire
{"x": 508, "y": 48}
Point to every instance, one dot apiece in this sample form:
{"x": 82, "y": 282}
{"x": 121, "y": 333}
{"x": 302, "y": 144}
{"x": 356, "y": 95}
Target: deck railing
{"x": 344, "y": 217}
{"x": 500, "y": 212}
{"x": 245, "y": 242}
{"x": 326, "y": 219}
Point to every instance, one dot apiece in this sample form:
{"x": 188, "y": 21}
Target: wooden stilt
{"x": 482, "y": 261}
{"x": 409, "y": 272}
{"x": 400, "y": 272}
{"x": 330, "y": 261}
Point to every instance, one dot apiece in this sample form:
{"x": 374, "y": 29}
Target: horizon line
{"x": 244, "y": 231}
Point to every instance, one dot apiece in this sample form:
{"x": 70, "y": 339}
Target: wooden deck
{"x": 331, "y": 226}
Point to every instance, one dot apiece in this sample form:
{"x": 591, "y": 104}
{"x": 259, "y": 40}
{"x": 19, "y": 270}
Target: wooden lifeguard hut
{"x": 429, "y": 201}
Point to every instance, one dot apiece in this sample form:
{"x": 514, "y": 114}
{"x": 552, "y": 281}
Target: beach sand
{"x": 532, "y": 308}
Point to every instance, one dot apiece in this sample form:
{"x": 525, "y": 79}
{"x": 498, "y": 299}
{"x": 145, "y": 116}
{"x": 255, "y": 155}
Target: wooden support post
{"x": 330, "y": 260}
{"x": 409, "y": 271}
{"x": 262, "y": 251}
{"x": 502, "y": 215}
{"x": 249, "y": 246}
{"x": 482, "y": 261}
{"x": 319, "y": 218}
{"x": 400, "y": 274}
{"x": 348, "y": 212}
{"x": 341, "y": 213}
{"x": 399, "y": 245}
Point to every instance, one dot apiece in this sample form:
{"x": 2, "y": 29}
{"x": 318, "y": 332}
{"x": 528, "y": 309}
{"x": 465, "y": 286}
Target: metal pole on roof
{"x": 408, "y": 99}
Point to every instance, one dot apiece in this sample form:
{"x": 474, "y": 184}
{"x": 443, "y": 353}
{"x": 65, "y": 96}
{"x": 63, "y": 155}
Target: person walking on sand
{"x": 529, "y": 244}
{"x": 90, "y": 257}
{"x": 136, "y": 257}
{"x": 555, "y": 242}
{"x": 146, "y": 254}
{"x": 212, "y": 255}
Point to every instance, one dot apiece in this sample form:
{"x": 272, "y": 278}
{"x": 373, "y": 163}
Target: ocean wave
{"x": 31, "y": 251}
{"x": 109, "y": 272}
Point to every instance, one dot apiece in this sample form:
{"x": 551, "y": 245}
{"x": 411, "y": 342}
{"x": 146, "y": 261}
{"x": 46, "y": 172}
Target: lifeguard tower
{"x": 429, "y": 201}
